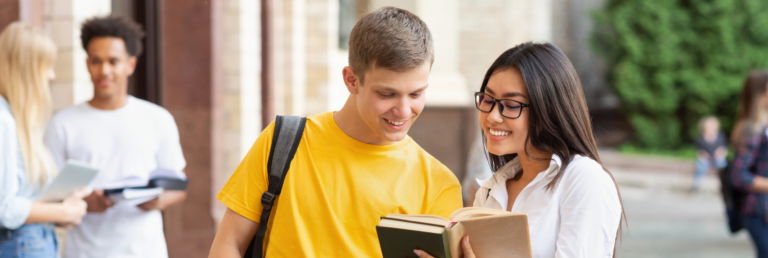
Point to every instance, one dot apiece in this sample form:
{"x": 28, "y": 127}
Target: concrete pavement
{"x": 677, "y": 224}
{"x": 665, "y": 220}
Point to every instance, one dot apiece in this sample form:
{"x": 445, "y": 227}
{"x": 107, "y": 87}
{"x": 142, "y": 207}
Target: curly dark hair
{"x": 113, "y": 26}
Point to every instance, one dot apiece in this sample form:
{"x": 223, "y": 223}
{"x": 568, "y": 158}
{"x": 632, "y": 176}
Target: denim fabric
{"x": 29, "y": 241}
{"x": 703, "y": 166}
{"x": 758, "y": 230}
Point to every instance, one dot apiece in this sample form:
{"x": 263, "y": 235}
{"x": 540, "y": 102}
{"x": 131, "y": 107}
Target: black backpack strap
{"x": 285, "y": 141}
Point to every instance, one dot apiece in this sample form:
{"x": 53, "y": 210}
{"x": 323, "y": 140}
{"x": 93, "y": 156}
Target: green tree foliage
{"x": 673, "y": 61}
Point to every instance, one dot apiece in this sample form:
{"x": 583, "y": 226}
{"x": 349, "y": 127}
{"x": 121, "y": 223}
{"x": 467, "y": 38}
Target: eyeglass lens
{"x": 509, "y": 108}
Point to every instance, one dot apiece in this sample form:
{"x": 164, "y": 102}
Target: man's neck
{"x": 349, "y": 121}
{"x": 112, "y": 103}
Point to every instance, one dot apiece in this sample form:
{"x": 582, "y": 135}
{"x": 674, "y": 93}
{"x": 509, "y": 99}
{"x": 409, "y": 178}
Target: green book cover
{"x": 399, "y": 243}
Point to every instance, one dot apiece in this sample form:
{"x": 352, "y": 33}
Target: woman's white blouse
{"x": 579, "y": 217}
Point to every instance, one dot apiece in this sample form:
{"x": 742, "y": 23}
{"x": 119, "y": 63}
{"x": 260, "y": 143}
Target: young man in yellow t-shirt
{"x": 352, "y": 166}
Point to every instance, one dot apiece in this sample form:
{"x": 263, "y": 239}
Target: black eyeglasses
{"x": 507, "y": 107}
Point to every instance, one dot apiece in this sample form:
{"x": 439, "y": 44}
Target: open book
{"x": 137, "y": 195}
{"x": 492, "y": 233}
{"x": 160, "y": 179}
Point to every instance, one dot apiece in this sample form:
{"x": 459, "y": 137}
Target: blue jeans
{"x": 29, "y": 241}
{"x": 703, "y": 166}
{"x": 758, "y": 230}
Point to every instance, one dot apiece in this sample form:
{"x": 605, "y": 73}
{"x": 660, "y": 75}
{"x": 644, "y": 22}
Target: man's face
{"x": 389, "y": 102}
{"x": 110, "y": 65}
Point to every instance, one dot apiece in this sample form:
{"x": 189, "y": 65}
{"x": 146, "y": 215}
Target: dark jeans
{"x": 29, "y": 241}
{"x": 758, "y": 230}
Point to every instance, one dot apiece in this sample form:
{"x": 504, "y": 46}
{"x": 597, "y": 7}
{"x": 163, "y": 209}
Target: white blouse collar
{"x": 512, "y": 167}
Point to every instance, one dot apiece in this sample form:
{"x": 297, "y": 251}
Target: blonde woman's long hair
{"x": 26, "y": 56}
{"x": 752, "y": 116}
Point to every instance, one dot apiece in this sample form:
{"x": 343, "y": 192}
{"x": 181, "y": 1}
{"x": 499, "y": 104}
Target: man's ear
{"x": 131, "y": 65}
{"x": 351, "y": 80}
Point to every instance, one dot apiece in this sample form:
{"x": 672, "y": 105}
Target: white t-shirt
{"x": 126, "y": 145}
{"x": 578, "y": 218}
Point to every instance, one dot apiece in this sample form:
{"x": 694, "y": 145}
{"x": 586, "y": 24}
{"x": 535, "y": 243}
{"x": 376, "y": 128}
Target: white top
{"x": 125, "y": 145}
{"x": 579, "y": 217}
{"x": 16, "y": 194}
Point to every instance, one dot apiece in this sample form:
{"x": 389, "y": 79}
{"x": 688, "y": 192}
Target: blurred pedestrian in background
{"x": 26, "y": 167}
{"x": 712, "y": 147}
{"x": 126, "y": 138}
{"x": 750, "y": 165}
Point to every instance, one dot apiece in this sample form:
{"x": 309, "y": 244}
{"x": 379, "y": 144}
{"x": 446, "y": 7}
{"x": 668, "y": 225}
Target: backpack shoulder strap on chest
{"x": 285, "y": 141}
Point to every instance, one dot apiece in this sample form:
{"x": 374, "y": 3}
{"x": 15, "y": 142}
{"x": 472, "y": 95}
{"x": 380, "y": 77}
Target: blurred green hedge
{"x": 673, "y": 61}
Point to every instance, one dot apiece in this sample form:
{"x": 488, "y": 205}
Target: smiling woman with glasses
{"x": 537, "y": 130}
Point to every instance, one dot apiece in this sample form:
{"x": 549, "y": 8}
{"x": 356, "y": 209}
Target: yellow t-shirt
{"x": 337, "y": 189}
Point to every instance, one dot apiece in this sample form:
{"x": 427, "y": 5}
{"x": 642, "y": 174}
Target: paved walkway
{"x": 674, "y": 224}
{"x": 667, "y": 221}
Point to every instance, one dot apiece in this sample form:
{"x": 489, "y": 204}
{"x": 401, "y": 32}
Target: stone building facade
{"x": 205, "y": 69}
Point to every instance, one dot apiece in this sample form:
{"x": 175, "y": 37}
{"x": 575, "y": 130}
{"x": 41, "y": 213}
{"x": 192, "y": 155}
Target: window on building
{"x": 348, "y": 13}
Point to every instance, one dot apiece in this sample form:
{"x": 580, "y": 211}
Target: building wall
{"x": 306, "y": 56}
{"x": 193, "y": 92}
{"x": 30, "y": 11}
{"x": 62, "y": 23}
{"x": 490, "y": 27}
{"x": 241, "y": 90}
{"x": 576, "y": 26}
{"x": 10, "y": 11}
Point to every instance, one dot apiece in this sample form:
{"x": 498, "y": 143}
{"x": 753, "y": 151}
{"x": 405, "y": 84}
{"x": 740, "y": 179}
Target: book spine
{"x": 446, "y": 244}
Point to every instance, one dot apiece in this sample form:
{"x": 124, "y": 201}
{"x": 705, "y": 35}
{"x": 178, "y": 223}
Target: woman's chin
{"x": 500, "y": 151}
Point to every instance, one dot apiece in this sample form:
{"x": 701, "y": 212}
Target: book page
{"x": 429, "y": 219}
{"x": 491, "y": 235}
{"x": 455, "y": 235}
{"x": 394, "y": 223}
{"x": 464, "y": 212}
{"x": 162, "y": 172}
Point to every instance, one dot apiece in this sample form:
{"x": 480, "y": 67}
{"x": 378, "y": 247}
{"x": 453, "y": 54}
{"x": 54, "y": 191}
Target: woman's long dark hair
{"x": 559, "y": 118}
{"x": 751, "y": 116}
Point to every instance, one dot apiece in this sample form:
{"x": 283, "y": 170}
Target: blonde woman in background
{"x": 26, "y": 167}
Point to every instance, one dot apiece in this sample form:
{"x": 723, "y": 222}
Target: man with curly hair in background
{"x": 126, "y": 138}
